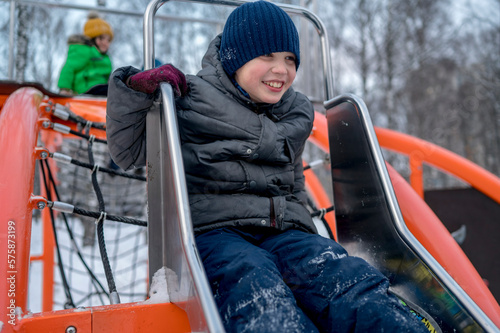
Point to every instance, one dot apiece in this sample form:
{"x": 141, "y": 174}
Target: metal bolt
{"x": 41, "y": 205}
{"x": 46, "y": 124}
{"x": 47, "y": 108}
{"x": 44, "y": 155}
{"x": 71, "y": 329}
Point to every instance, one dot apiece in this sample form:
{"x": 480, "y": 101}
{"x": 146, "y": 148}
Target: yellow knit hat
{"x": 96, "y": 26}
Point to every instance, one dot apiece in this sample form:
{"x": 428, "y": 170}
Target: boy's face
{"x": 268, "y": 77}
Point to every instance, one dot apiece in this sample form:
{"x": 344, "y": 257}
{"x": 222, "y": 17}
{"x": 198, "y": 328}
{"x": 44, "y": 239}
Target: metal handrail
{"x": 149, "y": 54}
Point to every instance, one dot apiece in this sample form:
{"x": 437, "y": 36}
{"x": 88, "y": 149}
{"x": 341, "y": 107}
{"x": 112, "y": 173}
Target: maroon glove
{"x": 148, "y": 81}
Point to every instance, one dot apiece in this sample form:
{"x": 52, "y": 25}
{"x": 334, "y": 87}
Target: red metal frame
{"x": 21, "y": 118}
{"x": 420, "y": 151}
{"x": 19, "y": 126}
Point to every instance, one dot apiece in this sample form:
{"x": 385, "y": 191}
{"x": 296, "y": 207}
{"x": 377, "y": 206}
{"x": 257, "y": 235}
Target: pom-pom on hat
{"x": 255, "y": 29}
{"x": 96, "y": 26}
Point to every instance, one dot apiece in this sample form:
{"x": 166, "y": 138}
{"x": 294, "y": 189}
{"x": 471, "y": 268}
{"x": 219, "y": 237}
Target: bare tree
{"x": 23, "y": 33}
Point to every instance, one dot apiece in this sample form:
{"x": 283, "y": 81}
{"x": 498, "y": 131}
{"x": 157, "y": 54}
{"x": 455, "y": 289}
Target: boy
{"x": 243, "y": 130}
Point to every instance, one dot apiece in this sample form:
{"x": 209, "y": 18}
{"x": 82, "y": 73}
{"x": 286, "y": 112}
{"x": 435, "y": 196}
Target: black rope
{"x": 95, "y": 183}
{"x": 100, "y": 222}
{"x": 107, "y": 170}
{"x": 86, "y": 136}
{"x": 321, "y": 212}
{"x": 80, "y": 120}
{"x": 96, "y": 215}
{"x": 94, "y": 279}
{"x": 69, "y": 299}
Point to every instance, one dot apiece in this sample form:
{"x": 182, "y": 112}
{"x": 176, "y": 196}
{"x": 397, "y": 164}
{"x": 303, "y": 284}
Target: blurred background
{"x": 428, "y": 68}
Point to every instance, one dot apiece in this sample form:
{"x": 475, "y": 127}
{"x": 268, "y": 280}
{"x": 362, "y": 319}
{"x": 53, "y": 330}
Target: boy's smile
{"x": 268, "y": 77}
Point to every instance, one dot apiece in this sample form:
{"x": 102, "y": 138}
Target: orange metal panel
{"x": 48, "y": 262}
{"x": 317, "y": 191}
{"x": 140, "y": 318}
{"x": 3, "y": 98}
{"x": 319, "y": 137}
{"x": 56, "y": 321}
{"x": 91, "y": 110}
{"x": 319, "y": 134}
{"x": 417, "y": 174}
{"x": 122, "y": 318}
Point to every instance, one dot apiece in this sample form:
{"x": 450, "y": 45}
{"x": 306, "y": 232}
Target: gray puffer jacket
{"x": 242, "y": 160}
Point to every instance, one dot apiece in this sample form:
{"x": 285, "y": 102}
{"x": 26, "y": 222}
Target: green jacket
{"x": 85, "y": 66}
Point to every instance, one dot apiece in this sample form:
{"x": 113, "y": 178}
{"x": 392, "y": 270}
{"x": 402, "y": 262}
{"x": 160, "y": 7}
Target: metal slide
{"x": 370, "y": 224}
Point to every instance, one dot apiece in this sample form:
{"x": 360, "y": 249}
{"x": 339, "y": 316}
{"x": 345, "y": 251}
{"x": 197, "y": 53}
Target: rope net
{"x": 79, "y": 276}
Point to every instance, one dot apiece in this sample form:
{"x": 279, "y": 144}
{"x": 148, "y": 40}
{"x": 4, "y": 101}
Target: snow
{"x": 159, "y": 287}
{"x": 264, "y": 306}
{"x": 80, "y": 309}
{"x": 323, "y": 257}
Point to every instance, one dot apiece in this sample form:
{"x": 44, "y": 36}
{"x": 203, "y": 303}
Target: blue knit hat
{"x": 255, "y": 29}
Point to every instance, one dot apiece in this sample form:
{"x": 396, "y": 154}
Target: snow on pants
{"x": 297, "y": 282}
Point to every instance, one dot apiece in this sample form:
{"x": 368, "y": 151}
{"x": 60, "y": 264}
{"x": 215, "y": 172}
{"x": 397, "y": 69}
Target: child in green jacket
{"x": 87, "y": 64}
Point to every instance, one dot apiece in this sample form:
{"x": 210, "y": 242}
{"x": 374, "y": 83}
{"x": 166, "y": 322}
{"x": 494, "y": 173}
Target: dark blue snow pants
{"x": 293, "y": 281}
